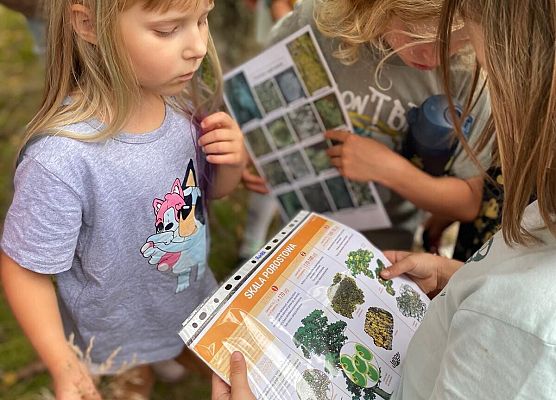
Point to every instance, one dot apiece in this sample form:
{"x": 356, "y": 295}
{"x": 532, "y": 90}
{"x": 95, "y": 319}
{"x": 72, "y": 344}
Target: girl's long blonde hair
{"x": 520, "y": 61}
{"x": 358, "y": 22}
{"x": 100, "y": 77}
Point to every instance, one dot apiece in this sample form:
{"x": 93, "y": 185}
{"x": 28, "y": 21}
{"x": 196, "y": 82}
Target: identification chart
{"x": 312, "y": 316}
{"x": 284, "y": 99}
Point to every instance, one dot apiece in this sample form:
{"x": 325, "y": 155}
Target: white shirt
{"x": 491, "y": 334}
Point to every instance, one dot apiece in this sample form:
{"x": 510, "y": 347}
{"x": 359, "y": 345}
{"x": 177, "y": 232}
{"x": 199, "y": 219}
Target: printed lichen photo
{"x": 344, "y": 295}
{"x": 359, "y": 365}
{"x": 362, "y": 193}
{"x": 387, "y": 283}
{"x": 290, "y": 86}
{"x": 379, "y": 325}
{"x": 318, "y": 157}
{"x": 241, "y": 99}
{"x": 296, "y": 164}
{"x": 274, "y": 173}
{"x": 359, "y": 262}
{"x": 410, "y": 303}
{"x": 281, "y": 134}
{"x": 315, "y": 198}
{"x": 314, "y": 384}
{"x": 268, "y": 96}
{"x": 305, "y": 122}
{"x": 291, "y": 203}
{"x": 330, "y": 111}
{"x": 339, "y": 192}
{"x": 307, "y": 60}
{"x": 317, "y": 336}
{"x": 258, "y": 143}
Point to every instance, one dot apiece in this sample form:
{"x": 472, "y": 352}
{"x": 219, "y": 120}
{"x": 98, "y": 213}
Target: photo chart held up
{"x": 284, "y": 100}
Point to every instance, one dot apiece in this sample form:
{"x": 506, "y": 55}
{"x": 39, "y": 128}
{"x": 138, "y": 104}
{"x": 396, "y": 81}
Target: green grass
{"x": 21, "y": 75}
{"x": 20, "y": 91}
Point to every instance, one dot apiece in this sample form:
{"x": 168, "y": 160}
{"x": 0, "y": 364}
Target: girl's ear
{"x": 83, "y": 24}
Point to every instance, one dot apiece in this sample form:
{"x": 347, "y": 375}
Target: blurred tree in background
{"x": 21, "y": 79}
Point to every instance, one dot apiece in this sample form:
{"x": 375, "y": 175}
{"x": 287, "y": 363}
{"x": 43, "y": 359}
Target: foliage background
{"x": 21, "y": 75}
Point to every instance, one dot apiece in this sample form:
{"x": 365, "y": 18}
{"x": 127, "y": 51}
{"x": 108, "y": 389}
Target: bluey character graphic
{"x": 179, "y": 244}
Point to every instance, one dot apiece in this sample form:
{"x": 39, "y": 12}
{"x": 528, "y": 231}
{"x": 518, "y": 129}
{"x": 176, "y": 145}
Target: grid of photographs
{"x": 284, "y": 115}
{"x": 328, "y": 194}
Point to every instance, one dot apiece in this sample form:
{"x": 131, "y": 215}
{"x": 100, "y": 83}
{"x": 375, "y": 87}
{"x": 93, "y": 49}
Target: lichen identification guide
{"x": 312, "y": 316}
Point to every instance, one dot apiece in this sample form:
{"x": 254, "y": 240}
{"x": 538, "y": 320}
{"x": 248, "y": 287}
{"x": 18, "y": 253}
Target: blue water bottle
{"x": 430, "y": 142}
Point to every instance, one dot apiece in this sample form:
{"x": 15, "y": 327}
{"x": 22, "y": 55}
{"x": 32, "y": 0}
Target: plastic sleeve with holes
{"x": 309, "y": 308}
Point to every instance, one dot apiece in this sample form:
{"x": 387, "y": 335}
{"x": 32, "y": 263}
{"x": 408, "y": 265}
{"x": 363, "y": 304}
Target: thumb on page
{"x": 238, "y": 378}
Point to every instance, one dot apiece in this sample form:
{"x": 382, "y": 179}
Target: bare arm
{"x": 364, "y": 160}
{"x": 226, "y": 180}
{"x": 279, "y": 8}
{"x": 33, "y": 301}
{"x": 448, "y": 197}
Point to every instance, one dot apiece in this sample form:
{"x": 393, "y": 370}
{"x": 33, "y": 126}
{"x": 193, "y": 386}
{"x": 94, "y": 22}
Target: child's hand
{"x": 75, "y": 383}
{"x": 361, "y": 159}
{"x": 222, "y": 141}
{"x": 430, "y": 272}
{"x": 238, "y": 378}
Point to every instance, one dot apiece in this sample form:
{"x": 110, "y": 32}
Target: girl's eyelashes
{"x": 166, "y": 33}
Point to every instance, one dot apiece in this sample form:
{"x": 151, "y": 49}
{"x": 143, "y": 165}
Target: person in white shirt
{"x": 491, "y": 332}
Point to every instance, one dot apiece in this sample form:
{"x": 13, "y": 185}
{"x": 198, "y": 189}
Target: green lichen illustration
{"x": 379, "y": 324}
{"x": 317, "y": 336}
{"x": 358, "y": 262}
{"x": 360, "y": 367}
{"x": 361, "y": 372}
{"x": 410, "y": 303}
{"x": 314, "y": 385}
{"x": 386, "y": 283}
{"x": 344, "y": 295}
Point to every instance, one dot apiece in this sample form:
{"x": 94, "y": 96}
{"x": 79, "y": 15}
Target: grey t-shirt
{"x": 378, "y": 110}
{"x": 121, "y": 225}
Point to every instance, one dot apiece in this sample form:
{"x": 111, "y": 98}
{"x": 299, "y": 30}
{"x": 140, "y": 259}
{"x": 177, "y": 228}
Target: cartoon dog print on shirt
{"x": 179, "y": 244}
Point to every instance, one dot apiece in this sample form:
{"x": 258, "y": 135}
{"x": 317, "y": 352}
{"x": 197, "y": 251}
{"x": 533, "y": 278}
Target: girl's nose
{"x": 196, "y": 45}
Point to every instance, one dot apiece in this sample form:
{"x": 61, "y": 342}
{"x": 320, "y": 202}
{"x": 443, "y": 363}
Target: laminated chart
{"x": 284, "y": 100}
{"x": 312, "y": 316}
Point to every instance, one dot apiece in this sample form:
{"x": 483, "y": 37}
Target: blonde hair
{"x": 101, "y": 78}
{"x": 357, "y": 22}
{"x": 520, "y": 54}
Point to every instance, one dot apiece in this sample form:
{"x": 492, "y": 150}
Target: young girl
{"x": 382, "y": 55}
{"x": 491, "y": 333}
{"x": 112, "y": 185}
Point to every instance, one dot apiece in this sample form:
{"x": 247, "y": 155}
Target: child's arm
{"x": 363, "y": 159}
{"x": 222, "y": 142}
{"x": 33, "y": 300}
